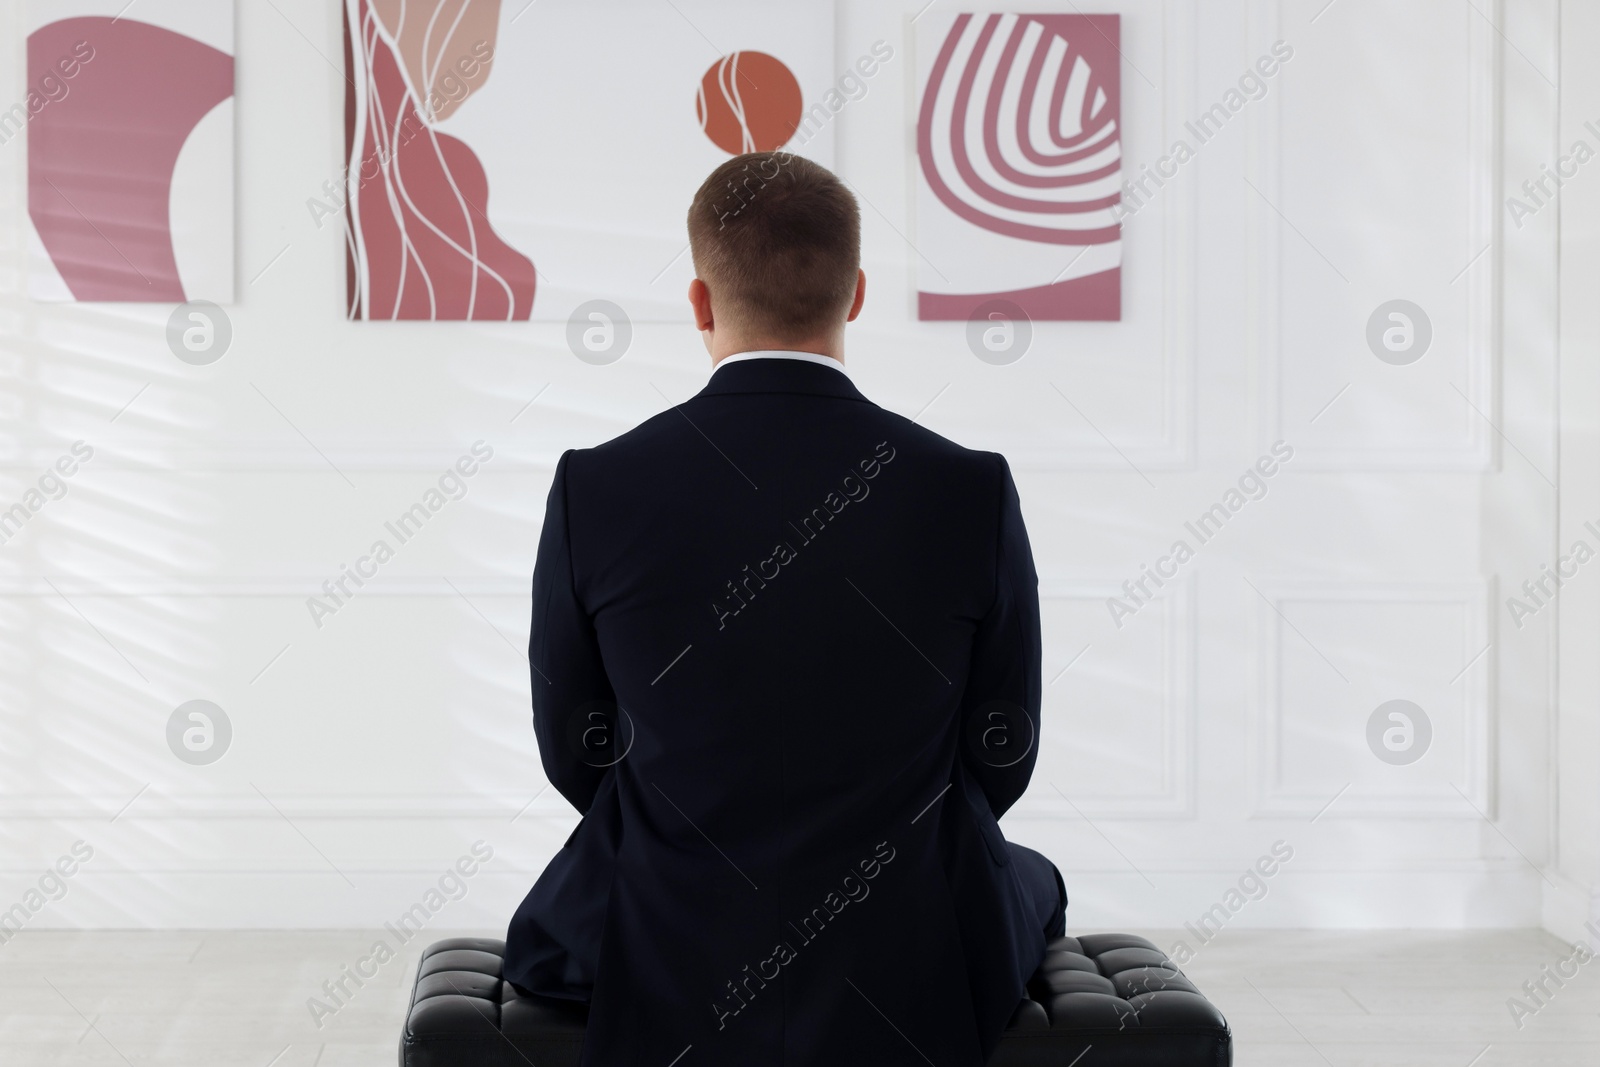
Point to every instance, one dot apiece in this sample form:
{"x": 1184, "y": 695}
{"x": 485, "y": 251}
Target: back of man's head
{"x": 777, "y": 240}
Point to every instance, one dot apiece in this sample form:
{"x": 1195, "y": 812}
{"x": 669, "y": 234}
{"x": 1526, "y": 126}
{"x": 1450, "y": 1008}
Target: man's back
{"x": 786, "y": 659}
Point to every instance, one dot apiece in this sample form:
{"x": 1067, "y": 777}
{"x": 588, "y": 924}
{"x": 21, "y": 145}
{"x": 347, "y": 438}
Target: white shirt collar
{"x": 804, "y": 357}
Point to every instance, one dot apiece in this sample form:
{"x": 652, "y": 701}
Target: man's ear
{"x": 700, "y": 304}
{"x": 861, "y": 295}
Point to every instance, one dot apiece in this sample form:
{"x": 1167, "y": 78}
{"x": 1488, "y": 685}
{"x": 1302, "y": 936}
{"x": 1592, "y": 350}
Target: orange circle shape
{"x": 748, "y": 102}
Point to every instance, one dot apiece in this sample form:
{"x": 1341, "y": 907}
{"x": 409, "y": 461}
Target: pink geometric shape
{"x": 419, "y": 240}
{"x": 1089, "y": 39}
{"x": 1091, "y": 298}
{"x": 1019, "y": 135}
{"x": 100, "y": 159}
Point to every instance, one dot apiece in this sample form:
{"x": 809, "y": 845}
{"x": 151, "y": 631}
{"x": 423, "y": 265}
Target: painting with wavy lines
{"x": 1019, "y": 146}
{"x": 419, "y": 240}
{"x": 516, "y": 160}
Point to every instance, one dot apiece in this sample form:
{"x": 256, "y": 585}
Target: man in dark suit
{"x": 785, "y": 660}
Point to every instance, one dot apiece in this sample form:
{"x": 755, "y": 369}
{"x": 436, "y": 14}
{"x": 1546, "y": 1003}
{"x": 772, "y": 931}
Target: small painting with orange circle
{"x": 748, "y": 102}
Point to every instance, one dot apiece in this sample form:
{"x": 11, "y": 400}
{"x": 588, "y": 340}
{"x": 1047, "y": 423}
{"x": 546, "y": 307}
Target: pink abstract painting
{"x": 507, "y": 160}
{"x": 420, "y": 242}
{"x": 111, "y": 104}
{"x": 1020, "y": 165}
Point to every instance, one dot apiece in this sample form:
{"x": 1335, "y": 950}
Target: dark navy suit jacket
{"x": 785, "y": 660}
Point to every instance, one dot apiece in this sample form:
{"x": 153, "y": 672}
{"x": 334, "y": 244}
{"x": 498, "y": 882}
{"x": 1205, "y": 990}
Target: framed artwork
{"x": 1019, "y": 153}
{"x": 128, "y": 117}
{"x": 514, "y": 161}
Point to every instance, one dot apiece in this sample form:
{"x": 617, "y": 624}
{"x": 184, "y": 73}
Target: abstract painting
{"x": 513, "y": 161}
{"x": 129, "y": 125}
{"x": 1019, "y": 166}
{"x": 749, "y": 102}
{"x": 419, "y": 238}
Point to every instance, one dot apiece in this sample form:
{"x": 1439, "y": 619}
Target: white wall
{"x": 1570, "y": 898}
{"x": 1224, "y": 717}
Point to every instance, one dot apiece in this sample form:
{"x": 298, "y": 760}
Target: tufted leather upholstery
{"x": 1114, "y": 994}
{"x": 1121, "y": 996}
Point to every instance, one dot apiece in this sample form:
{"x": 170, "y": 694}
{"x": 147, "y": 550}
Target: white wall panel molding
{"x": 1317, "y": 283}
{"x": 1118, "y": 735}
{"x": 1330, "y": 654}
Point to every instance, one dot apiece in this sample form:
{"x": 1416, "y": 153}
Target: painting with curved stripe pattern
{"x": 128, "y": 117}
{"x": 1019, "y": 150}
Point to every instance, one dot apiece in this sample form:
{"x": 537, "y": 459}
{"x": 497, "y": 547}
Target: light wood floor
{"x": 1320, "y": 999}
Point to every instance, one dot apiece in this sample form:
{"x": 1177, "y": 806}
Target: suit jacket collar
{"x": 780, "y": 376}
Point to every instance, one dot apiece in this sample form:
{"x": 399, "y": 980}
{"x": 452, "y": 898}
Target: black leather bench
{"x": 1099, "y": 1000}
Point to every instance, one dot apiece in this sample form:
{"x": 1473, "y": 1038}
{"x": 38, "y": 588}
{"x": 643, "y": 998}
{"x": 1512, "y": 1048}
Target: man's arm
{"x": 574, "y": 708}
{"x": 1000, "y": 712}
